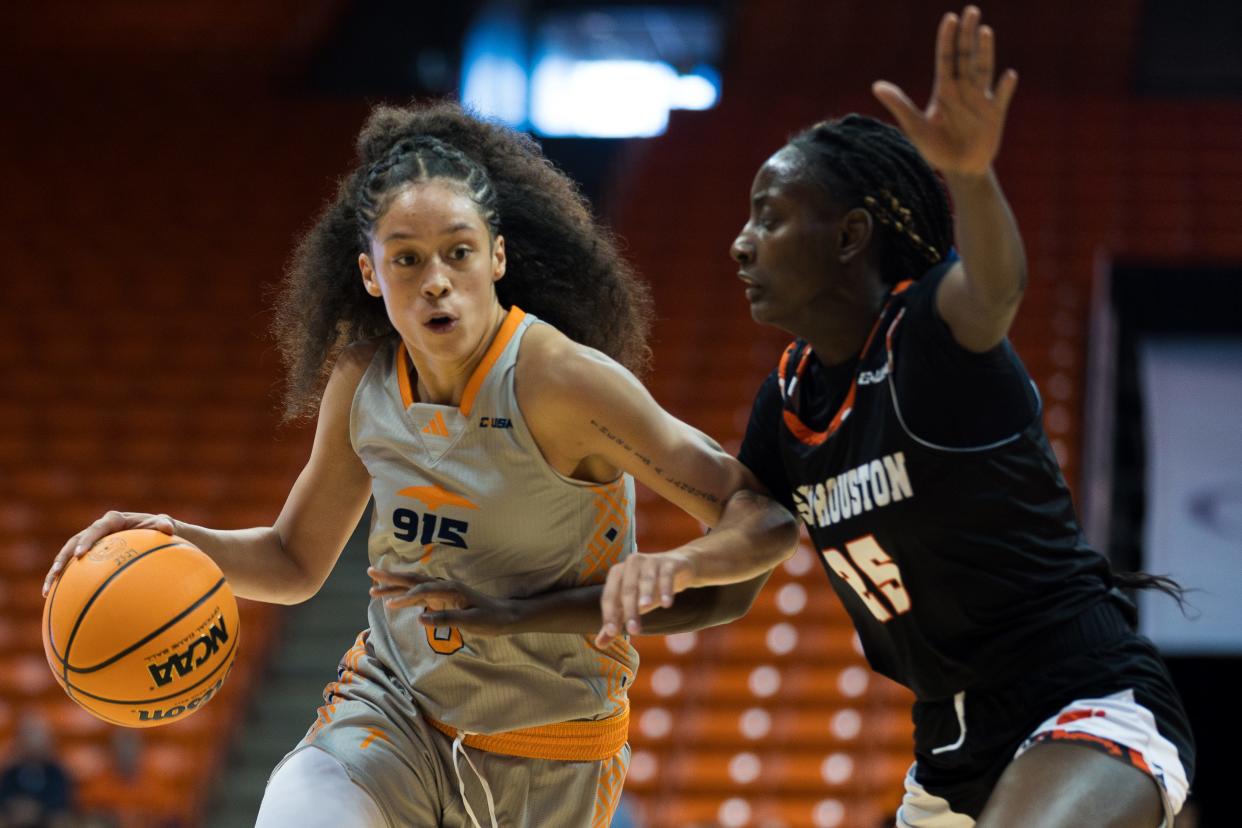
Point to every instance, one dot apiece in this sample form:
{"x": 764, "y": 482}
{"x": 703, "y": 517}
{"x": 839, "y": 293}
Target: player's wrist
{"x": 517, "y": 615}
{"x": 969, "y": 179}
{"x": 691, "y": 570}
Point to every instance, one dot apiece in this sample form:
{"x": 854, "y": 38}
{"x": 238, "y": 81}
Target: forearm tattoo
{"x": 646, "y": 461}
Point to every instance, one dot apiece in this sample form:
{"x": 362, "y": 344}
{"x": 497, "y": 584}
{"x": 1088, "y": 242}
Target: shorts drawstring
{"x": 959, "y": 707}
{"x": 458, "y": 747}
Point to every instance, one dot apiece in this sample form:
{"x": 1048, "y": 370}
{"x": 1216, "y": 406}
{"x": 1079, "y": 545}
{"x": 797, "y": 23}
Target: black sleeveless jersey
{"x": 953, "y": 560}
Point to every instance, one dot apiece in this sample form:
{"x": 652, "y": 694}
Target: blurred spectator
{"x": 118, "y": 795}
{"x": 35, "y": 790}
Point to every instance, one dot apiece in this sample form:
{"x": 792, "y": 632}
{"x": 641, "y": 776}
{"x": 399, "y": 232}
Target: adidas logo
{"x": 437, "y": 426}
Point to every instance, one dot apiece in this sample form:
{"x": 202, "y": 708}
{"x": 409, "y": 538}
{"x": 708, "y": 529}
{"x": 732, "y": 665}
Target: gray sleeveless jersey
{"x": 464, "y": 493}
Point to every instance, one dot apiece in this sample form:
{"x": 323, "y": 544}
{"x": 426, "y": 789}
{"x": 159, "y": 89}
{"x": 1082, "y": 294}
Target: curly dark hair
{"x": 867, "y": 163}
{"x": 562, "y": 265}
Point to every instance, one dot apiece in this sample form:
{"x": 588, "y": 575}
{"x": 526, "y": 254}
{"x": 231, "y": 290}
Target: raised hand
{"x": 959, "y": 133}
{"x": 79, "y": 544}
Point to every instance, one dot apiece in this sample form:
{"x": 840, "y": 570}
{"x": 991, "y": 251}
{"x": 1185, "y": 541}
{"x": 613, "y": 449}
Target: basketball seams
{"x": 225, "y": 662}
{"x": 109, "y": 719}
{"x": 197, "y": 603}
{"x": 51, "y": 604}
{"x": 77, "y": 624}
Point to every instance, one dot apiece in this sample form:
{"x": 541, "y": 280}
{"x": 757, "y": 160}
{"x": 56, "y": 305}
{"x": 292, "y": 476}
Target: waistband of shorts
{"x": 1098, "y": 625}
{"x": 583, "y": 741}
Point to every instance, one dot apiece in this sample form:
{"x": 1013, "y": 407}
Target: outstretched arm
{"x": 591, "y": 407}
{"x": 574, "y": 611}
{"x": 959, "y": 133}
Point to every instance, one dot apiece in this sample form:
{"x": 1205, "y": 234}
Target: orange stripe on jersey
{"x": 780, "y": 371}
{"x": 611, "y": 516}
{"x": 403, "y": 376}
{"x": 507, "y": 329}
{"x": 433, "y": 497}
{"x": 793, "y": 422}
{"x": 563, "y": 742}
{"x": 608, "y": 491}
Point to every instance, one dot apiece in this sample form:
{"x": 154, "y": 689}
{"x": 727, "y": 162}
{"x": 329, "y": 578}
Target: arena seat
{"x": 136, "y": 387}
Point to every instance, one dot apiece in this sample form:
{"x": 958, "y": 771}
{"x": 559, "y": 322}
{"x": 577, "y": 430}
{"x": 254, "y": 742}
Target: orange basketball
{"x": 142, "y": 629}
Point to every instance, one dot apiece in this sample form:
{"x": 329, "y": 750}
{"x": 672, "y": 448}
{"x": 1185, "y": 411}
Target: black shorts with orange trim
{"x": 1000, "y": 722}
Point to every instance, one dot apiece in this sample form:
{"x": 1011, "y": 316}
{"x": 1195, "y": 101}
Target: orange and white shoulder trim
{"x": 513, "y": 320}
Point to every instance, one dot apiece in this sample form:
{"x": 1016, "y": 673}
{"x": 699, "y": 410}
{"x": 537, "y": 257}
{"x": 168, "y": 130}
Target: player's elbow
{"x": 300, "y": 579}
{"x": 787, "y": 533}
{"x": 733, "y": 601}
{"x": 289, "y": 590}
{"x": 778, "y": 538}
{"x": 999, "y": 295}
{"x": 294, "y": 593}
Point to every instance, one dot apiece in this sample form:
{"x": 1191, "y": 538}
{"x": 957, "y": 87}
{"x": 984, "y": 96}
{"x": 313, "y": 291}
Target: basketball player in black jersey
{"x": 904, "y": 431}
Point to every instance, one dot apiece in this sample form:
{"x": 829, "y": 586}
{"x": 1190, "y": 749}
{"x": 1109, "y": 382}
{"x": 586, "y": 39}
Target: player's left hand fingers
{"x": 497, "y": 620}
{"x": 629, "y": 593}
{"x": 385, "y": 578}
{"x": 441, "y": 593}
{"x": 460, "y": 618}
{"x": 667, "y": 585}
{"x": 610, "y": 607}
{"x": 426, "y": 595}
{"x": 647, "y": 586}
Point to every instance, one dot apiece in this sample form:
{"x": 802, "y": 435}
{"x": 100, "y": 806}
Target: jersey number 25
{"x": 870, "y": 567}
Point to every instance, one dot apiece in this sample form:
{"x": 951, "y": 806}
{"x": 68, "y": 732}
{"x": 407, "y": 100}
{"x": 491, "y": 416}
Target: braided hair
{"x": 561, "y": 264}
{"x": 866, "y": 163}
{"x": 423, "y": 158}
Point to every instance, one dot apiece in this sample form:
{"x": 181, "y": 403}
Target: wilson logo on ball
{"x": 195, "y": 655}
{"x": 176, "y": 710}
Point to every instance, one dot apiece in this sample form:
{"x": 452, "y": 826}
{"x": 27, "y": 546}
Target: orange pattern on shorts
{"x": 374, "y": 733}
{"x": 608, "y": 791}
{"x": 1098, "y": 742}
{"x": 349, "y": 663}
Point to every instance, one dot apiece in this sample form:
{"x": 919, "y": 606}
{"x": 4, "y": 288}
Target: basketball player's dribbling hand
{"x": 959, "y": 133}
{"x": 639, "y": 584}
{"x": 80, "y": 544}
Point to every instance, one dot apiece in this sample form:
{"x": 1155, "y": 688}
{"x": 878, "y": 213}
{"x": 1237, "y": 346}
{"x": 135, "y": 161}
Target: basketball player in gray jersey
{"x": 500, "y": 453}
